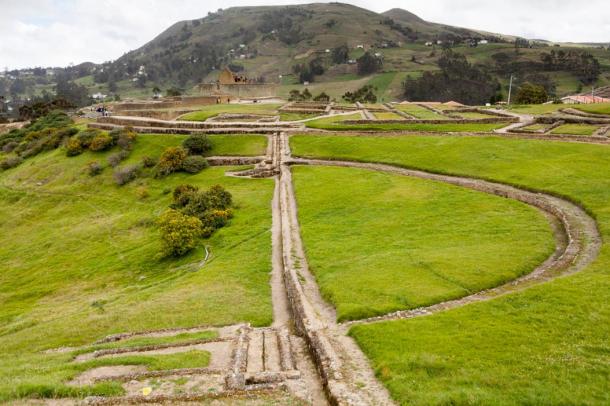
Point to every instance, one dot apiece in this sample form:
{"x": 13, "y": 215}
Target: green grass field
{"x": 390, "y": 242}
{"x": 216, "y": 109}
{"x": 546, "y": 345}
{"x": 336, "y": 124}
{"x": 387, "y": 116}
{"x": 537, "y": 109}
{"x": 420, "y": 112}
{"x": 81, "y": 259}
{"x": 535, "y": 127}
{"x": 296, "y": 116}
{"x": 575, "y": 129}
{"x": 596, "y": 108}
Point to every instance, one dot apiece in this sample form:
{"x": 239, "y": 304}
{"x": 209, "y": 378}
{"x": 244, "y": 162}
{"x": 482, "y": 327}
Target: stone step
{"x": 256, "y": 351}
{"x": 272, "y": 352}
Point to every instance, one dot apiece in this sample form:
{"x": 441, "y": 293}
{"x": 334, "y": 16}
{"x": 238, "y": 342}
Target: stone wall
{"x": 238, "y": 90}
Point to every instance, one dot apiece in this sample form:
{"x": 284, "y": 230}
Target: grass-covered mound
{"x": 546, "y": 345}
{"x": 389, "y": 242}
{"x": 81, "y": 259}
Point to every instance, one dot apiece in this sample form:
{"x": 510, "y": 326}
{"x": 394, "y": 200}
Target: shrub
{"x": 10, "y": 162}
{"x": 9, "y": 146}
{"x": 126, "y": 138}
{"x": 149, "y": 162}
{"x": 94, "y": 168}
{"x": 197, "y": 144}
{"x": 179, "y": 232}
{"x": 101, "y": 142}
{"x": 199, "y": 203}
{"x": 115, "y": 159}
{"x": 126, "y": 174}
{"x": 86, "y": 137}
{"x": 171, "y": 161}
{"x": 194, "y": 164}
{"x": 182, "y": 195}
{"x": 214, "y": 219}
{"x": 74, "y": 147}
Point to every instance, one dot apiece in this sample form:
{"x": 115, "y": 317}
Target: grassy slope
{"x": 438, "y": 242}
{"x": 216, "y": 109}
{"x": 546, "y": 345}
{"x": 80, "y": 261}
{"x": 244, "y": 145}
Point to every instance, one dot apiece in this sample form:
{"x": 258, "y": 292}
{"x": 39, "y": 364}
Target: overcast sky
{"x": 59, "y": 32}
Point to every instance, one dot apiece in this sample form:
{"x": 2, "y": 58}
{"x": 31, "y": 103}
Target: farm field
{"x": 439, "y": 242}
{"x": 102, "y": 272}
{"x": 545, "y": 345}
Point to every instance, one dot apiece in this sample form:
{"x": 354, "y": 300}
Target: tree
{"x": 72, "y": 92}
{"x": 340, "y": 54}
{"x": 529, "y": 93}
{"x": 457, "y": 80}
{"x": 173, "y": 91}
{"x": 365, "y": 94}
{"x": 368, "y": 64}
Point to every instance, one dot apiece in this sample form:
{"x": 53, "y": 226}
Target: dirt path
{"x": 524, "y": 121}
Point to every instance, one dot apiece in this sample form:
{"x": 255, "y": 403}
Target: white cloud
{"x": 57, "y": 32}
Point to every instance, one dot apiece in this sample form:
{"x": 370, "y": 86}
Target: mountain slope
{"x": 275, "y": 36}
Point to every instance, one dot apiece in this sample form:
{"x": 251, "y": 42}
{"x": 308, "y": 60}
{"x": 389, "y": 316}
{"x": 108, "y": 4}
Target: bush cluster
{"x": 97, "y": 141}
{"x": 208, "y": 210}
{"x": 10, "y": 162}
{"x": 44, "y": 134}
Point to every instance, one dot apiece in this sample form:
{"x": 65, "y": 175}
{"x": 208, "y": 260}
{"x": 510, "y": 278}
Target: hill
{"x": 275, "y": 43}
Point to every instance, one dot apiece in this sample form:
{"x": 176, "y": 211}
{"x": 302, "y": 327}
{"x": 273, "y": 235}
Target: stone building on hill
{"x": 235, "y": 85}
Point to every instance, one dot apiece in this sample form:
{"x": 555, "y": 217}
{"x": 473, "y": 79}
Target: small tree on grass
{"x": 179, "y": 232}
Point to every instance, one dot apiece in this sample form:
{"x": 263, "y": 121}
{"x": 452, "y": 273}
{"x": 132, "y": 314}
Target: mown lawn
{"x": 389, "y": 242}
{"x": 216, "y": 109}
{"x": 81, "y": 259}
{"x": 575, "y": 129}
{"x": 546, "y": 345}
